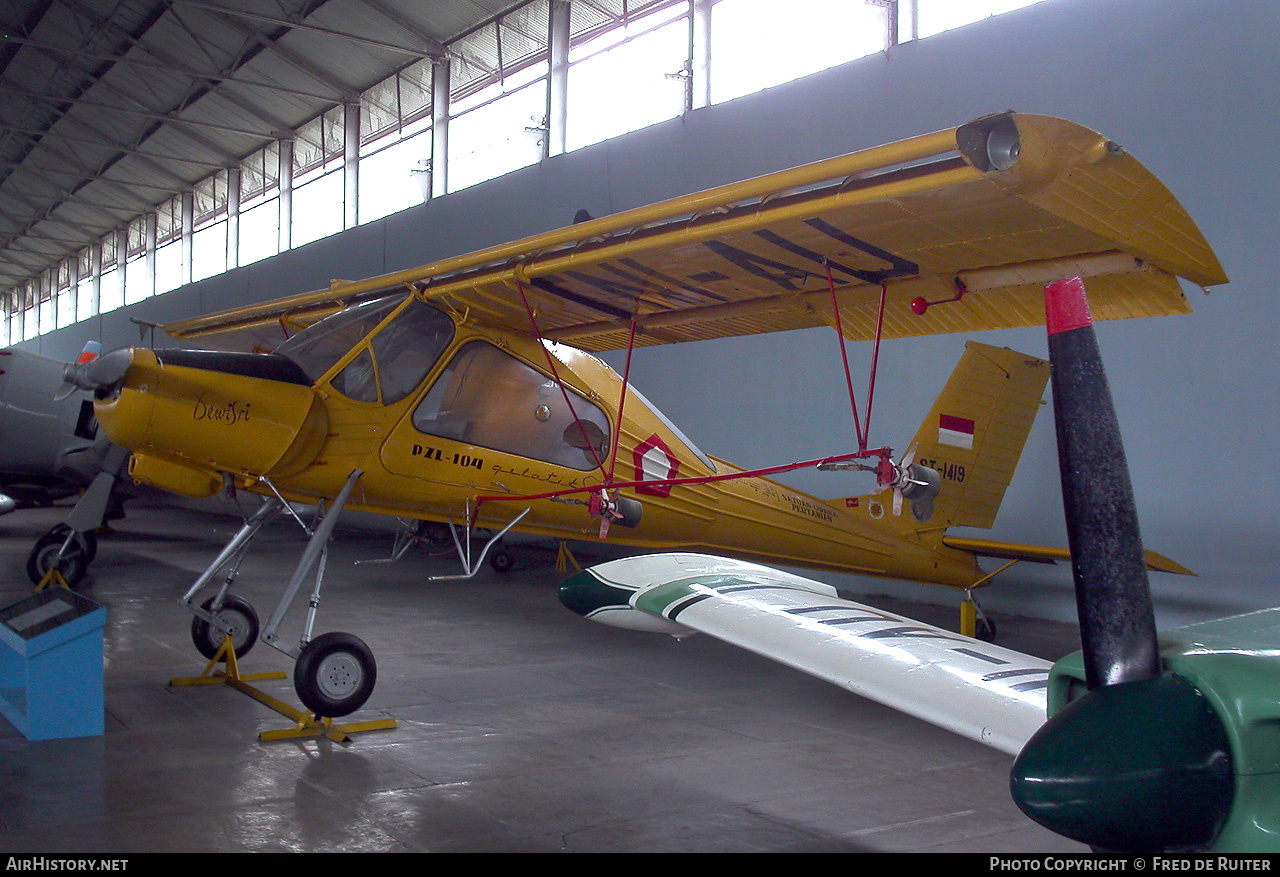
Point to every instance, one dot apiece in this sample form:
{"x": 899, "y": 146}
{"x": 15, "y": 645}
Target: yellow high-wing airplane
{"x": 464, "y": 391}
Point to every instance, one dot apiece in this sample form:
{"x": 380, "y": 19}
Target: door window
{"x": 488, "y": 398}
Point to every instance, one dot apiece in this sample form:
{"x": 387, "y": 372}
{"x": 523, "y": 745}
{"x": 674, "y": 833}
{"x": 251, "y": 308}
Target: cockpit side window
{"x": 486, "y": 397}
{"x": 408, "y": 347}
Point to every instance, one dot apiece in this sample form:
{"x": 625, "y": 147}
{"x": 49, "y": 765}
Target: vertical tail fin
{"x": 974, "y": 434}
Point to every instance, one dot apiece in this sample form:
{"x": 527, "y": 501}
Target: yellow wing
{"x": 994, "y": 208}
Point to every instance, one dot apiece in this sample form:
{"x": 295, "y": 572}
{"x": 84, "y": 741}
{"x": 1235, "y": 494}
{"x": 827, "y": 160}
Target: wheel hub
{"x": 339, "y": 675}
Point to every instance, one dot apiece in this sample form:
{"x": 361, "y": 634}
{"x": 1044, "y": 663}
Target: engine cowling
{"x": 201, "y": 412}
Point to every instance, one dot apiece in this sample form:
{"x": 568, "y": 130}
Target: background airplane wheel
{"x": 335, "y": 674}
{"x": 74, "y": 563}
{"x": 501, "y": 561}
{"x": 236, "y": 612}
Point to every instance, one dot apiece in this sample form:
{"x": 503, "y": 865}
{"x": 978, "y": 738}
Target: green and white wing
{"x": 987, "y": 693}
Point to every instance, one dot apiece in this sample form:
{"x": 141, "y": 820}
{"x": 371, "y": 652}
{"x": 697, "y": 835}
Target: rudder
{"x": 974, "y": 434}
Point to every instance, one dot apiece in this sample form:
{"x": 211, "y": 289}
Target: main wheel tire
{"x": 235, "y": 611}
{"x": 501, "y": 561}
{"x": 335, "y": 674}
{"x": 44, "y": 555}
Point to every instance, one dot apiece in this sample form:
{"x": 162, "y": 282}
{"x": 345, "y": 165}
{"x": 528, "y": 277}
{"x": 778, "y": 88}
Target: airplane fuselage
{"x": 495, "y": 419}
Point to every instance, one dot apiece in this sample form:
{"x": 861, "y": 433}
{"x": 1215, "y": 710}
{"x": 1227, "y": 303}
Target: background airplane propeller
{"x": 87, "y": 355}
{"x": 93, "y": 372}
{"x": 1141, "y": 762}
{"x": 906, "y": 479}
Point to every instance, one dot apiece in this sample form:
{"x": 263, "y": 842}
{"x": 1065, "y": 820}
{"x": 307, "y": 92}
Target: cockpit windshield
{"x": 316, "y": 348}
{"x": 396, "y": 360}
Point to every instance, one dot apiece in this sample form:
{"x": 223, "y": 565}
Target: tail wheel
{"x": 236, "y": 612}
{"x": 74, "y": 561}
{"x": 986, "y": 629}
{"x": 335, "y": 674}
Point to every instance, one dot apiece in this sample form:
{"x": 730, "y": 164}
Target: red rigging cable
{"x": 597, "y": 490}
{"x": 862, "y": 432}
{"x": 882, "y": 453}
{"x": 551, "y": 363}
{"x": 875, "y": 358}
{"x": 844, "y": 357}
{"x": 622, "y": 400}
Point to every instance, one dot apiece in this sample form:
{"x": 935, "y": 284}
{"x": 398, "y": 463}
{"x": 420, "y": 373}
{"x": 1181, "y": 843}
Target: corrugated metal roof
{"x": 108, "y": 108}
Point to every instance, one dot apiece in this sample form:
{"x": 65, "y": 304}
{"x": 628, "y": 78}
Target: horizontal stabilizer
{"x": 1041, "y": 554}
{"x": 989, "y": 694}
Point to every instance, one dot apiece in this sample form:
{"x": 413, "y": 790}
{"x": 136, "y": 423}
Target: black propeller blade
{"x": 1140, "y": 763}
{"x": 1113, "y": 598}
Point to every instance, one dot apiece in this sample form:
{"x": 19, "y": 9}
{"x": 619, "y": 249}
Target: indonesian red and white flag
{"x": 957, "y": 431}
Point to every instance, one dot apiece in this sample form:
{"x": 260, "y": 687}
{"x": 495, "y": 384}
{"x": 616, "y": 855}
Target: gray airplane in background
{"x": 51, "y": 449}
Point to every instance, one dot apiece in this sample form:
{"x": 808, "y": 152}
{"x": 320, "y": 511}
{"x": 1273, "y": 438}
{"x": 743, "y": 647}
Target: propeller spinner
{"x": 69, "y": 386}
{"x": 1141, "y": 762}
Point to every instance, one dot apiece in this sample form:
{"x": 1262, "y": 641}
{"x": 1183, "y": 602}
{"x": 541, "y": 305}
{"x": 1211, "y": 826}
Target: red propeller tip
{"x": 90, "y": 352}
{"x": 1066, "y": 306}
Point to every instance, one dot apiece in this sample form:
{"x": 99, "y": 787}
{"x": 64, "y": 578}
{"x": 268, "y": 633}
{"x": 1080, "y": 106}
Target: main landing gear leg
{"x": 63, "y": 555}
{"x": 211, "y": 626}
{"x": 334, "y": 674}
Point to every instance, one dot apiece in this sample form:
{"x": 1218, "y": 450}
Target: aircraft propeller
{"x": 93, "y": 372}
{"x": 907, "y": 479}
{"x": 915, "y": 482}
{"x": 623, "y": 510}
{"x": 1141, "y": 762}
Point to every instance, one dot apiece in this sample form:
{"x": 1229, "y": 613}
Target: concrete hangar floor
{"x": 521, "y": 727}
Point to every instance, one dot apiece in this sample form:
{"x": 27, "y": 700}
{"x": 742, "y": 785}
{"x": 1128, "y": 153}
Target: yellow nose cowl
{"x": 204, "y": 413}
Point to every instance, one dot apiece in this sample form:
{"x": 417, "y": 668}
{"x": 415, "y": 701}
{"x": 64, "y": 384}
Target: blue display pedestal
{"x": 51, "y": 665}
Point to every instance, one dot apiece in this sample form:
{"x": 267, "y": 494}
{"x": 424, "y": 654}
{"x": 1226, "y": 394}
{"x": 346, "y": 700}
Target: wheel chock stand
{"x": 307, "y": 724}
{"x": 52, "y": 579}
